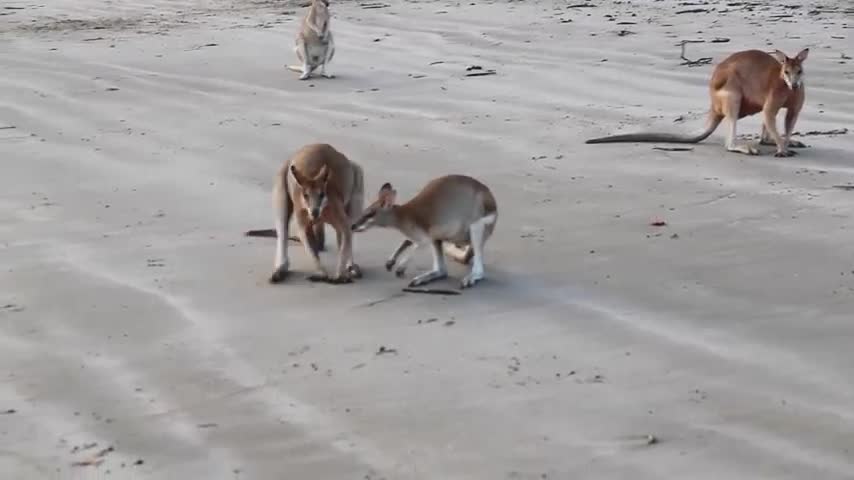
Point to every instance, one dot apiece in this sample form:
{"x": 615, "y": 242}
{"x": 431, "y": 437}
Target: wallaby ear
{"x": 322, "y": 175}
{"x": 802, "y": 55}
{"x": 387, "y": 195}
{"x": 780, "y": 56}
{"x": 298, "y": 176}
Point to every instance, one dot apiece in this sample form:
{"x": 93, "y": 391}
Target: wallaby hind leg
{"x": 478, "y": 235}
{"x": 283, "y": 209}
{"x": 330, "y": 52}
{"x": 354, "y": 209}
{"x": 732, "y": 106}
{"x": 344, "y": 237}
{"x": 439, "y": 271}
{"x": 302, "y": 54}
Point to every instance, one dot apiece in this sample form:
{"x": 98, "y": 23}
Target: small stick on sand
{"x": 674, "y": 149}
{"x": 432, "y": 291}
{"x": 268, "y": 233}
{"x": 838, "y": 131}
{"x": 688, "y": 61}
{"x": 481, "y": 74}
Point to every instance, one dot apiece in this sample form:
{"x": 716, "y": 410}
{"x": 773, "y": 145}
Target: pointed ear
{"x": 301, "y": 180}
{"x": 802, "y": 55}
{"x": 323, "y": 175}
{"x": 780, "y": 56}
{"x": 387, "y": 195}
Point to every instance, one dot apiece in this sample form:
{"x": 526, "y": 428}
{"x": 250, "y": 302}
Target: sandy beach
{"x": 139, "y": 338}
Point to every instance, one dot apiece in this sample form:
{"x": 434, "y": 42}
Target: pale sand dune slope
{"x": 135, "y": 315}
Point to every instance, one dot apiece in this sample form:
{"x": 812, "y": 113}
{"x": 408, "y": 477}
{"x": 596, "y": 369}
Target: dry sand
{"x": 135, "y": 315}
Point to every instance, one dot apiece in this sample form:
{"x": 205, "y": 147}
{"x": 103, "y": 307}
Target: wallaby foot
{"x": 354, "y": 270}
{"x": 786, "y": 153}
{"x": 279, "y": 274}
{"x": 428, "y": 277}
{"x": 471, "y": 279}
{"x": 745, "y": 149}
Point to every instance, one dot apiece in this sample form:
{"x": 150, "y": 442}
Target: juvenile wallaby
{"x": 454, "y": 210}
{"x": 320, "y": 185}
{"x": 743, "y": 84}
{"x": 314, "y": 44}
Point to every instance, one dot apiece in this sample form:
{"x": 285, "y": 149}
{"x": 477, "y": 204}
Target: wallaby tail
{"x": 711, "y": 124}
{"x": 264, "y": 232}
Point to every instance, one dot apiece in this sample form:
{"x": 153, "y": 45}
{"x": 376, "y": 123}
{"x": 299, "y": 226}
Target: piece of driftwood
{"x": 481, "y": 74}
{"x": 432, "y": 291}
{"x": 844, "y": 187}
{"x": 693, "y": 63}
{"x": 267, "y": 233}
{"x": 836, "y": 131}
{"x": 674, "y": 149}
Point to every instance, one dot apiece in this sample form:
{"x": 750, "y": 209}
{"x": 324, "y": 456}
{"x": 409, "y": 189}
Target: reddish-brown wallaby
{"x": 744, "y": 84}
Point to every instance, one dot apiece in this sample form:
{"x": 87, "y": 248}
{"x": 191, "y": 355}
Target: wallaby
{"x": 454, "y": 210}
{"x": 314, "y": 44}
{"x": 746, "y": 83}
{"x": 320, "y": 185}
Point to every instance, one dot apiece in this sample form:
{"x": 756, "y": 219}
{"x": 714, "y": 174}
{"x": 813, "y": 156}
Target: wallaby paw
{"x": 426, "y": 278}
{"x": 470, "y": 280}
{"x": 354, "y": 270}
{"x": 304, "y": 76}
{"x": 279, "y": 275}
{"x": 389, "y": 265}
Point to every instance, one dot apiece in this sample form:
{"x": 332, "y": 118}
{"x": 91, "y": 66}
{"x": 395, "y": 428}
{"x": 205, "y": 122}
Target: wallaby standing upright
{"x": 314, "y": 44}
{"x": 320, "y": 185}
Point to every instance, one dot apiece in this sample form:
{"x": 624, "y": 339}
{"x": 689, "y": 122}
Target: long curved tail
{"x": 712, "y": 123}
